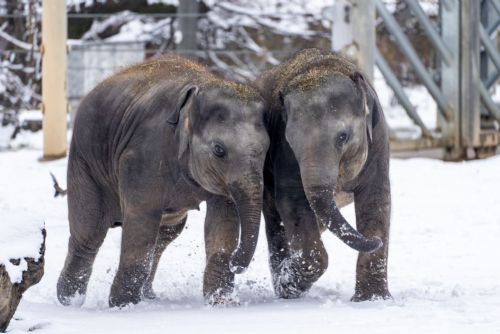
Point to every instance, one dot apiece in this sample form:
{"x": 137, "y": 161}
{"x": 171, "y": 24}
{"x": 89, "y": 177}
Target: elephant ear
{"x": 370, "y": 102}
{"x": 183, "y": 111}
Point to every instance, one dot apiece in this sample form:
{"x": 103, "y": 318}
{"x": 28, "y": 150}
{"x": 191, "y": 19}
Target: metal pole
{"x": 363, "y": 33}
{"x": 353, "y": 32}
{"x": 403, "y": 99}
{"x": 188, "y": 22}
{"x": 54, "y": 102}
{"x": 449, "y": 12}
{"x": 426, "y": 24}
{"x": 496, "y": 5}
{"x": 406, "y": 47}
{"x": 490, "y": 48}
{"x": 488, "y": 102}
{"x": 469, "y": 70}
{"x": 341, "y": 28}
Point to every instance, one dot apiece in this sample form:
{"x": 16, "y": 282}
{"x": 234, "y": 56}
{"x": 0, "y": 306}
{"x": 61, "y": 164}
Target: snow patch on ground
{"x": 20, "y": 227}
{"x": 443, "y": 270}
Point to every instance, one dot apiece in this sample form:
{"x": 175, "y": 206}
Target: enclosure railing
{"x": 464, "y": 37}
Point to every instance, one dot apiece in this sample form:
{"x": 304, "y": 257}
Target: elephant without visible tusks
{"x": 149, "y": 144}
{"x": 329, "y": 146}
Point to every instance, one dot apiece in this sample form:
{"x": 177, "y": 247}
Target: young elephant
{"x": 149, "y": 144}
{"x": 329, "y": 145}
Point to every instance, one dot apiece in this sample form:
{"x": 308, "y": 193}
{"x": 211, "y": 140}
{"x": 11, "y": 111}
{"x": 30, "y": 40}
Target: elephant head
{"x": 223, "y": 143}
{"x": 328, "y": 120}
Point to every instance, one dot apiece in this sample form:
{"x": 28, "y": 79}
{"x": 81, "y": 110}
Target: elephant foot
{"x": 289, "y": 286}
{"x": 148, "y": 292}
{"x": 222, "y": 297}
{"x": 291, "y": 290}
{"x": 128, "y": 286}
{"x": 292, "y": 279}
{"x": 371, "y": 287}
{"x": 71, "y": 290}
{"x": 371, "y": 295}
{"x": 223, "y": 301}
{"x": 124, "y": 299}
{"x": 124, "y": 294}
{"x": 218, "y": 282}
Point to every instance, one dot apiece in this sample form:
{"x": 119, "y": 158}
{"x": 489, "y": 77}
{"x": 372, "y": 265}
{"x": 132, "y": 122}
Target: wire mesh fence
{"x": 238, "y": 43}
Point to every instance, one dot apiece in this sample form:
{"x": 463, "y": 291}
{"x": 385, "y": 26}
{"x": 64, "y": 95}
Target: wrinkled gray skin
{"x": 329, "y": 146}
{"x": 149, "y": 144}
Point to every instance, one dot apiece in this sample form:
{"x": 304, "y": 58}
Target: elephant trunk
{"x": 319, "y": 187}
{"x": 248, "y": 204}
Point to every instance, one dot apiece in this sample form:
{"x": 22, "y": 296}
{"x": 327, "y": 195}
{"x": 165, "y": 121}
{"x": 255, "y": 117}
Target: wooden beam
{"x": 54, "y": 99}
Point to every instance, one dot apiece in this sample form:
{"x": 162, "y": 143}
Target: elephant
{"x": 150, "y": 143}
{"x": 329, "y": 147}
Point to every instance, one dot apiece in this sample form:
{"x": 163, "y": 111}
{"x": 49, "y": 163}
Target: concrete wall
{"x": 91, "y": 62}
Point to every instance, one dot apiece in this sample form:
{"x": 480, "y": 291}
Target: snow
{"x": 13, "y": 40}
{"x": 20, "y": 237}
{"x": 99, "y": 27}
{"x": 282, "y": 17}
{"x": 76, "y": 3}
{"x": 30, "y": 115}
{"x": 5, "y": 134}
{"x": 443, "y": 270}
{"x": 165, "y": 2}
{"x": 396, "y": 115}
{"x": 430, "y": 7}
{"x": 20, "y": 225}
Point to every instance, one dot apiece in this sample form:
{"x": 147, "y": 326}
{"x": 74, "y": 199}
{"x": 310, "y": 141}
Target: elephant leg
{"x": 373, "y": 207}
{"x": 221, "y": 239}
{"x": 305, "y": 258}
{"x": 141, "y": 190}
{"x": 277, "y": 242}
{"x": 166, "y": 235}
{"x": 140, "y": 230}
{"x": 88, "y": 228}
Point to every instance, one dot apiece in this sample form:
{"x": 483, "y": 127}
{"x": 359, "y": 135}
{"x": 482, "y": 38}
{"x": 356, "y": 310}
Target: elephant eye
{"x": 218, "y": 150}
{"x": 342, "y": 138}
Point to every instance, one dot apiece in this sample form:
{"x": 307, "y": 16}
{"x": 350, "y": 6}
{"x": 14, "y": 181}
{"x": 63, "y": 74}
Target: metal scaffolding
{"x": 464, "y": 45}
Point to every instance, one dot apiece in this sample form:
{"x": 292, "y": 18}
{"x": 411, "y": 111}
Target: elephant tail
{"x": 59, "y": 191}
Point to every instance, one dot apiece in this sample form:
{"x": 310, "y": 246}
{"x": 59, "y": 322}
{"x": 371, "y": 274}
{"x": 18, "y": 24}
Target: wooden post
{"x": 54, "y": 99}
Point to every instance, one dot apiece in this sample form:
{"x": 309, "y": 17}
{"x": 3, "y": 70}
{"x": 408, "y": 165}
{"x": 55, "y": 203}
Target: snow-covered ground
{"x": 444, "y": 270}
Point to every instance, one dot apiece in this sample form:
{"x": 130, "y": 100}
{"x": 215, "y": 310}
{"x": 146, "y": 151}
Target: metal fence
{"x": 91, "y": 62}
{"x": 464, "y": 37}
{"x": 469, "y": 64}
